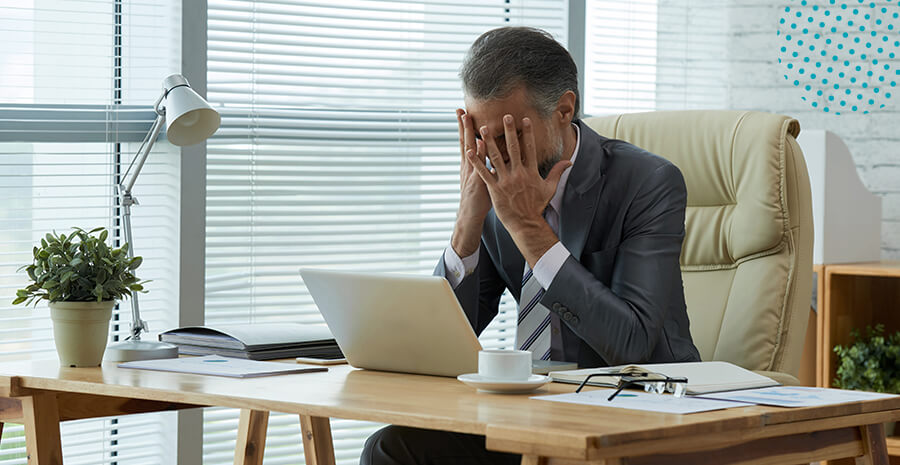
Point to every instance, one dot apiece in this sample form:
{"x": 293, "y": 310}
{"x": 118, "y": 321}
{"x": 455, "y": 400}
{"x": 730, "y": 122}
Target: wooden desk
{"x": 40, "y": 394}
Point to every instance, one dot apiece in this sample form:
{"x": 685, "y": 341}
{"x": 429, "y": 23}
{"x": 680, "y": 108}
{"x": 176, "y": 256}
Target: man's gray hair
{"x": 504, "y": 58}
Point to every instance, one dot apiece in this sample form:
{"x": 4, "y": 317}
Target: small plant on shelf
{"x": 871, "y": 363}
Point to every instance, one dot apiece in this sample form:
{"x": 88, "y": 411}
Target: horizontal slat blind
{"x": 620, "y": 56}
{"x": 337, "y": 149}
{"x": 644, "y": 55}
{"x": 73, "y": 123}
{"x": 69, "y": 79}
{"x": 692, "y": 55}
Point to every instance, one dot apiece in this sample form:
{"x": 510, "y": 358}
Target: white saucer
{"x": 504, "y": 387}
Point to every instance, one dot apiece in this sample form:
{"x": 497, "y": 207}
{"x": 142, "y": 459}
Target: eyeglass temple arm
{"x": 588, "y": 378}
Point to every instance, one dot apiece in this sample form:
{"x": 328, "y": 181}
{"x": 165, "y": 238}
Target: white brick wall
{"x": 757, "y": 83}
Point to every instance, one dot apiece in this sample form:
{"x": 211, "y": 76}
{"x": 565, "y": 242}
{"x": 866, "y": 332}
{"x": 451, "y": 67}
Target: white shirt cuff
{"x": 456, "y": 269}
{"x": 549, "y": 264}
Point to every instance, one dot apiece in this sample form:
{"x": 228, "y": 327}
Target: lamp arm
{"x": 137, "y": 324}
{"x": 141, "y": 157}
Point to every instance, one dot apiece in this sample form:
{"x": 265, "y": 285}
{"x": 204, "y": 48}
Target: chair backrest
{"x": 747, "y": 255}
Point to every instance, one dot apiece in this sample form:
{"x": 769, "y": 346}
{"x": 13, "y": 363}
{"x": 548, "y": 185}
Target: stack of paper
{"x": 263, "y": 341}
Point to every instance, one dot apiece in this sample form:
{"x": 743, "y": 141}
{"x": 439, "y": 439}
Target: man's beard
{"x": 550, "y": 161}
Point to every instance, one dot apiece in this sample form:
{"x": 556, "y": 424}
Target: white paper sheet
{"x": 796, "y": 396}
{"x": 222, "y": 366}
{"x": 639, "y": 400}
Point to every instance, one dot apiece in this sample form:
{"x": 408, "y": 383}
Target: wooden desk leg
{"x": 537, "y": 460}
{"x": 534, "y": 460}
{"x": 251, "y": 437}
{"x": 41, "y": 414}
{"x": 874, "y": 445}
{"x": 317, "y": 444}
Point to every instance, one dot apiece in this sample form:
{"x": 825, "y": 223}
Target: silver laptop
{"x": 403, "y": 323}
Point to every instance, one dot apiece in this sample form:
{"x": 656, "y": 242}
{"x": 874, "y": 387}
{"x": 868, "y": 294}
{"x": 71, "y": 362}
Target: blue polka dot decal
{"x": 844, "y": 55}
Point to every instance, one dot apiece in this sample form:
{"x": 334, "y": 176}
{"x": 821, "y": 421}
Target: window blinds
{"x": 337, "y": 149}
{"x": 78, "y": 81}
{"x": 645, "y": 55}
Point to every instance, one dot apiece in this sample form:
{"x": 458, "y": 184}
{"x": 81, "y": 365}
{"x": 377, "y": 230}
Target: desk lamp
{"x": 189, "y": 120}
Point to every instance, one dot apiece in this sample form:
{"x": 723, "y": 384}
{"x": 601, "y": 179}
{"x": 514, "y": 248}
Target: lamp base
{"x": 140, "y": 350}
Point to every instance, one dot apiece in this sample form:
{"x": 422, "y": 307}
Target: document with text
{"x": 796, "y": 396}
{"x": 640, "y": 400}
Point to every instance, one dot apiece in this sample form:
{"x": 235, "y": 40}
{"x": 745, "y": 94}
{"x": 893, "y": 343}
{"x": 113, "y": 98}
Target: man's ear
{"x": 565, "y": 108}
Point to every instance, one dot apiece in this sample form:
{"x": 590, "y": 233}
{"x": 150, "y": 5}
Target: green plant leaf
{"x": 19, "y": 300}
{"x": 78, "y": 267}
{"x": 870, "y": 363}
{"x": 135, "y": 263}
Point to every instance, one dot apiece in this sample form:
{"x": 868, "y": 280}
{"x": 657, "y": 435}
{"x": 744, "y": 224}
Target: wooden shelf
{"x": 852, "y": 296}
{"x": 886, "y": 268}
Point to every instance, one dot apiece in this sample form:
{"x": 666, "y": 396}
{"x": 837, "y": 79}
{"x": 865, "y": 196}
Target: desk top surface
{"x": 420, "y": 401}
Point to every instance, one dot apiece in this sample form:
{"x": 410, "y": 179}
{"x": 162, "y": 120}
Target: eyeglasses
{"x": 656, "y": 383}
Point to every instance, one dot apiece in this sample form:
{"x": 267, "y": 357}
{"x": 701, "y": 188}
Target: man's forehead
{"x": 514, "y": 103}
{"x": 492, "y": 114}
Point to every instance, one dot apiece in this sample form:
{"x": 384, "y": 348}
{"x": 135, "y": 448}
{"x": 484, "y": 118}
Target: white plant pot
{"x": 80, "y": 330}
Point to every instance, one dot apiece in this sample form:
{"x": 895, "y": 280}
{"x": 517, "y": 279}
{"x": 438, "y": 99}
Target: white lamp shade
{"x": 189, "y": 119}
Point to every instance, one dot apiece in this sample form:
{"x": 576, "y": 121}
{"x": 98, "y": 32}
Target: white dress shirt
{"x": 548, "y": 265}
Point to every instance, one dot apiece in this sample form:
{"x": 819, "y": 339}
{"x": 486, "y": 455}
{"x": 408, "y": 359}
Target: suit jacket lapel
{"x": 513, "y": 264}
{"x": 582, "y": 194}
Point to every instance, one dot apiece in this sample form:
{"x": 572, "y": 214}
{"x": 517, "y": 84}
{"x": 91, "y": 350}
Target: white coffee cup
{"x": 504, "y": 365}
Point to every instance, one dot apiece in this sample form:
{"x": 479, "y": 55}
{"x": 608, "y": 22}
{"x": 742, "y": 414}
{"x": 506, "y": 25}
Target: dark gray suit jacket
{"x": 619, "y": 298}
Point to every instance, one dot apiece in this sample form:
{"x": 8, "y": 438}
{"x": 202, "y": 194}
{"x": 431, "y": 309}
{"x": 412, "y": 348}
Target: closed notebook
{"x": 702, "y": 377}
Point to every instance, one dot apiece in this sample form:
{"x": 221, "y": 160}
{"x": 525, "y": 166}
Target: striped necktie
{"x": 533, "y": 328}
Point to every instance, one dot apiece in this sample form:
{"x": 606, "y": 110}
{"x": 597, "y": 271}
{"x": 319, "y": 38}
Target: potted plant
{"x": 870, "y": 364}
{"x": 81, "y": 277}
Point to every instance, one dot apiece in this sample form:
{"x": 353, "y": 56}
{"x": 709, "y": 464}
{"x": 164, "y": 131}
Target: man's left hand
{"x": 518, "y": 193}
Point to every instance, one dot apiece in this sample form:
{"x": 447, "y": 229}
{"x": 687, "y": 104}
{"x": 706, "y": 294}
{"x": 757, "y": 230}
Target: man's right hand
{"x": 474, "y": 202}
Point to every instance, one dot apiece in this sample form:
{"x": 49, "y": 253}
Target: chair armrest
{"x": 782, "y": 378}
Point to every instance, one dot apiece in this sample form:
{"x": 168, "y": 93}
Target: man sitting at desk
{"x": 584, "y": 231}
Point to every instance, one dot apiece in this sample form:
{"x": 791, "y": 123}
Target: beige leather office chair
{"x": 747, "y": 254}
